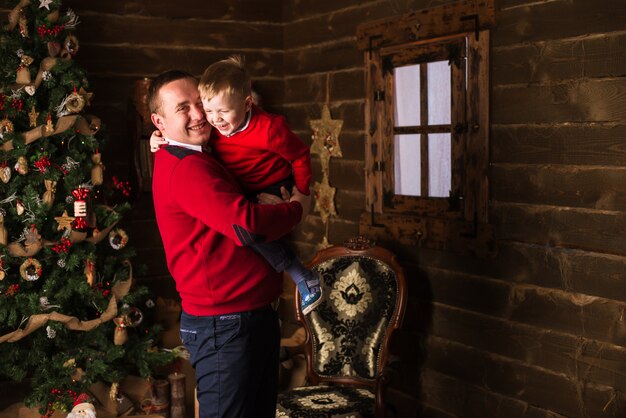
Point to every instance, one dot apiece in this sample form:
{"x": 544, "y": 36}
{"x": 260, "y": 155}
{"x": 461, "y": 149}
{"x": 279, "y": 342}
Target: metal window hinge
{"x": 373, "y": 220}
{"x": 379, "y": 95}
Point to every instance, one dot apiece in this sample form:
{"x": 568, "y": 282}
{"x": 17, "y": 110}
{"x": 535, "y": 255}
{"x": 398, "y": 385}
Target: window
{"x": 427, "y": 126}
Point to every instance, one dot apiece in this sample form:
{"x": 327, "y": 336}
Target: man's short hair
{"x": 154, "y": 102}
{"x": 229, "y": 76}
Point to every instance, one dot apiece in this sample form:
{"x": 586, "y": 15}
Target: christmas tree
{"x": 69, "y": 313}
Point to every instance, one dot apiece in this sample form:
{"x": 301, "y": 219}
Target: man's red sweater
{"x": 264, "y": 153}
{"x": 205, "y": 223}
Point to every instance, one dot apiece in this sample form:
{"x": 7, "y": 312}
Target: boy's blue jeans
{"x": 235, "y": 357}
{"x": 276, "y": 253}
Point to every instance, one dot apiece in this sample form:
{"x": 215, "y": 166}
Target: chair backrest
{"x": 363, "y": 302}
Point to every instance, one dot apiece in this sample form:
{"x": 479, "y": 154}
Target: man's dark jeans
{"x": 235, "y": 357}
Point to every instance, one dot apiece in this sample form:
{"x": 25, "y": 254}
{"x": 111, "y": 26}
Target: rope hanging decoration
{"x": 17, "y": 249}
{"x": 326, "y": 144}
{"x": 86, "y": 125}
{"x": 118, "y": 291}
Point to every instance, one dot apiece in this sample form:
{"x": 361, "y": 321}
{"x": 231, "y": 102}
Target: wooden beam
{"x": 374, "y": 126}
{"x": 455, "y": 235}
{"x": 476, "y": 202}
{"x": 583, "y": 229}
{"x": 457, "y": 17}
{"x": 590, "y": 187}
{"x": 219, "y": 9}
{"x": 570, "y": 144}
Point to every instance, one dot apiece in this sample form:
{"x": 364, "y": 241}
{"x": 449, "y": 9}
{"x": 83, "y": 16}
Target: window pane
{"x": 407, "y": 165}
{"x": 439, "y": 165}
{"x": 407, "y": 95}
{"x": 439, "y": 93}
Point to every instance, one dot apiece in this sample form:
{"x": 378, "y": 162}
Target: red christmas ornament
{"x": 101, "y": 287}
{"x": 80, "y": 208}
{"x": 43, "y": 30}
{"x": 12, "y": 290}
{"x": 62, "y": 246}
{"x": 17, "y": 104}
{"x": 122, "y": 186}
{"x": 42, "y": 164}
{"x": 79, "y": 223}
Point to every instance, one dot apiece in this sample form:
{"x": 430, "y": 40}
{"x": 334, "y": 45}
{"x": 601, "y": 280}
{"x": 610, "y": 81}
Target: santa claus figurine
{"x": 83, "y": 408}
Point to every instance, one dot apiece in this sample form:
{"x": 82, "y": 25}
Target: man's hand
{"x": 156, "y": 141}
{"x": 268, "y": 199}
{"x": 303, "y": 199}
{"x": 296, "y": 196}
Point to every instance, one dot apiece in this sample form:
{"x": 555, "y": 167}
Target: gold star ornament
{"x": 64, "y": 221}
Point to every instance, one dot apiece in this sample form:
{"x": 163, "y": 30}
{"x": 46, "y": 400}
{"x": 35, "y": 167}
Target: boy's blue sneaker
{"x": 311, "y": 300}
{"x": 310, "y": 294}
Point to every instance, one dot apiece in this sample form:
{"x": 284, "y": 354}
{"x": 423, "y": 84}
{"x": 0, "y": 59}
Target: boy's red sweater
{"x": 204, "y": 222}
{"x": 264, "y": 153}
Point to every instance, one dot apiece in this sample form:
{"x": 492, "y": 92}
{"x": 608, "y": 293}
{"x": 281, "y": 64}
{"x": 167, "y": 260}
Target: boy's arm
{"x": 205, "y": 191}
{"x": 290, "y": 147}
{"x": 157, "y": 141}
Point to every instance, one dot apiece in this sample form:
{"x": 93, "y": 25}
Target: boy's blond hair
{"x": 229, "y": 76}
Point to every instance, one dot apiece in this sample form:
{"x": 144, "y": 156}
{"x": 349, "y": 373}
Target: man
{"x": 227, "y": 290}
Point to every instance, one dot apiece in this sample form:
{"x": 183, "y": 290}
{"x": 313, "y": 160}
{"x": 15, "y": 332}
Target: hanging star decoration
{"x": 325, "y": 143}
{"x": 324, "y": 199}
{"x": 32, "y": 116}
{"x": 64, "y": 221}
{"x": 326, "y": 137}
{"x": 45, "y": 3}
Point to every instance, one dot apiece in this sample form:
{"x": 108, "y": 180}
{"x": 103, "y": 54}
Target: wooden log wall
{"x": 539, "y": 331}
{"x": 536, "y": 331}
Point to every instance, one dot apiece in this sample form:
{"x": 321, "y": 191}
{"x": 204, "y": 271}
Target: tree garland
{"x": 119, "y": 290}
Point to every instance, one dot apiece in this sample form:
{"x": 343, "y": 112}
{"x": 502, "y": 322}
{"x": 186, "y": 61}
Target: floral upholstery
{"x": 349, "y": 325}
{"x": 347, "y": 332}
{"x": 325, "y": 401}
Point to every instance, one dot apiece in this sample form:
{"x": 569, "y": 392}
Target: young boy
{"x": 262, "y": 153}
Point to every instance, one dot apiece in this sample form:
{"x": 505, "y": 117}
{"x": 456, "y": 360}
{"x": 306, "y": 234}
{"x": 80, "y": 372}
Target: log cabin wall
{"x": 537, "y": 330}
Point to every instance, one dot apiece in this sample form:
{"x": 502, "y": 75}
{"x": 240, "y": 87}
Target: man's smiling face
{"x": 180, "y": 116}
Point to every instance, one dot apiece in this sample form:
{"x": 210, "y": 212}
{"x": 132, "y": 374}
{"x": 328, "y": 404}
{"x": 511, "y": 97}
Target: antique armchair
{"x": 348, "y": 334}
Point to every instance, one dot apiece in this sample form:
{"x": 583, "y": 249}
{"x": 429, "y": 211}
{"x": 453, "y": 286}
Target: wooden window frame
{"x": 459, "y": 222}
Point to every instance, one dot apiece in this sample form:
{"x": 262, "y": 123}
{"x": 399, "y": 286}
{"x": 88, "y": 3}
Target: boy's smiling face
{"x": 226, "y": 112}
